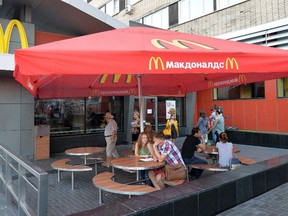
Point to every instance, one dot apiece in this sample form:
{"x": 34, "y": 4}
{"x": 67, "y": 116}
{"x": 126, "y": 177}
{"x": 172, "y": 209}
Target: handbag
{"x": 167, "y": 131}
{"x": 175, "y": 172}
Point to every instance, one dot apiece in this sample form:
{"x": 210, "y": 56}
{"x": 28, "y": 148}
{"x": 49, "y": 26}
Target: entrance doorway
{"x": 150, "y": 111}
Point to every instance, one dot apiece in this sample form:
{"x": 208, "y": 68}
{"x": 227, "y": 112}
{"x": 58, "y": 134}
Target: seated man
{"x": 164, "y": 150}
{"x": 192, "y": 143}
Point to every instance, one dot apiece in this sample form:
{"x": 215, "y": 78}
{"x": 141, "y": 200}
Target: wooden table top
{"x": 213, "y": 150}
{"x": 84, "y": 151}
{"x": 134, "y": 163}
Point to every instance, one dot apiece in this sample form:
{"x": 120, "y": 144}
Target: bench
{"x": 95, "y": 160}
{"x": 104, "y": 182}
{"x": 128, "y": 153}
{"x": 210, "y": 167}
{"x": 174, "y": 182}
{"x": 246, "y": 161}
{"x": 62, "y": 165}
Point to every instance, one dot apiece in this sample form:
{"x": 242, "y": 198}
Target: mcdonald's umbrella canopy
{"x": 169, "y": 63}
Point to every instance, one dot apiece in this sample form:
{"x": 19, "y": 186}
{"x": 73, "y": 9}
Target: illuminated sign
{"x": 231, "y": 62}
{"x": 5, "y": 37}
{"x": 158, "y": 43}
{"x": 157, "y": 61}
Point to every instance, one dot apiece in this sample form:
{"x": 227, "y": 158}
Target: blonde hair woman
{"x": 172, "y": 124}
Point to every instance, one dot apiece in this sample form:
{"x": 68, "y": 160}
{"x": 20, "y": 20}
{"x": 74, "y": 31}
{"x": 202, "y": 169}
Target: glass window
{"x": 158, "y": 19}
{"x": 77, "y": 116}
{"x": 103, "y": 9}
{"x": 173, "y": 14}
{"x": 191, "y": 9}
{"x": 282, "y": 87}
{"x": 112, "y": 7}
{"x": 132, "y": 2}
{"x": 226, "y": 3}
{"x": 180, "y": 111}
{"x": 246, "y": 91}
{"x": 149, "y": 107}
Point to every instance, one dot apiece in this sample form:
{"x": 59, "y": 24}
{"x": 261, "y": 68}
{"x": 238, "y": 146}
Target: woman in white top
{"x": 225, "y": 150}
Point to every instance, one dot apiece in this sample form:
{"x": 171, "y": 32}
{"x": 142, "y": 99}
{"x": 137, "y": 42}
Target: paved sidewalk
{"x": 64, "y": 201}
{"x": 274, "y": 202}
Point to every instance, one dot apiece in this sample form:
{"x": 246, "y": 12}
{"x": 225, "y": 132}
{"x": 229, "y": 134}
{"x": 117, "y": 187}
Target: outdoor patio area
{"x": 62, "y": 200}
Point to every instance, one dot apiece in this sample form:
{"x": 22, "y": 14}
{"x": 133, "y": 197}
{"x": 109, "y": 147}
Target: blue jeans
{"x": 194, "y": 160}
{"x": 143, "y": 174}
{"x": 214, "y": 137}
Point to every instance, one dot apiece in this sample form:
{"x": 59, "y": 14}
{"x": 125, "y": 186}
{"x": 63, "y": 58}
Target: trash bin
{"x": 41, "y": 142}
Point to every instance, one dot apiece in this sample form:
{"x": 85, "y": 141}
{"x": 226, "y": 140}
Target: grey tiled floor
{"x": 64, "y": 201}
{"x": 271, "y": 203}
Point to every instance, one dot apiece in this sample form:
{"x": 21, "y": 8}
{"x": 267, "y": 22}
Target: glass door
{"x": 150, "y": 112}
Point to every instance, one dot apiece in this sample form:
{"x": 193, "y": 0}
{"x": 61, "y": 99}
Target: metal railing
{"x": 23, "y": 184}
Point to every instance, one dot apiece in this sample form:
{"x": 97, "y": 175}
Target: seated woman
{"x": 225, "y": 150}
{"x": 143, "y": 149}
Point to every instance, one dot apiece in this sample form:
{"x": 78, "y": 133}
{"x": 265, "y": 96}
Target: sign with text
{"x": 170, "y": 104}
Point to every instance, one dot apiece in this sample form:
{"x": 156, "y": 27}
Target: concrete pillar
{"x": 128, "y": 115}
{"x": 190, "y": 110}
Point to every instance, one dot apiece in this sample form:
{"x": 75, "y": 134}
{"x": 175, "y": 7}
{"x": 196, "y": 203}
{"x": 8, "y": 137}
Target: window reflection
{"x": 282, "y": 87}
{"x": 77, "y": 115}
{"x": 246, "y": 91}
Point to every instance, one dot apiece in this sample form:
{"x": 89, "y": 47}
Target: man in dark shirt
{"x": 192, "y": 143}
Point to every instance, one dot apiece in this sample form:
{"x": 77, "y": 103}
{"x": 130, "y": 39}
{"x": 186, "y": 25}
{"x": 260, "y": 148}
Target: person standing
{"x": 212, "y": 118}
{"x": 135, "y": 130}
{"x": 192, "y": 143}
{"x": 219, "y": 125}
{"x": 110, "y": 134}
{"x": 173, "y": 125}
{"x": 203, "y": 124}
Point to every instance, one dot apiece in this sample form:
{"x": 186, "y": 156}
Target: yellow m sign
{"x": 157, "y": 61}
{"x": 230, "y": 62}
{"x": 242, "y": 78}
{"x": 5, "y": 37}
{"x": 210, "y": 84}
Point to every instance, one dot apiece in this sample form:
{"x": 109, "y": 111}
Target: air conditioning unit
{"x": 129, "y": 9}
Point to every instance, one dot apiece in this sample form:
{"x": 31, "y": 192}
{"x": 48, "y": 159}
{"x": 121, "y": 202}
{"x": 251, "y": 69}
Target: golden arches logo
{"x": 96, "y": 92}
{"x": 115, "y": 78}
{"x": 242, "y": 78}
{"x": 210, "y": 84}
{"x": 231, "y": 62}
{"x": 6, "y": 37}
{"x": 157, "y": 61}
{"x": 159, "y": 43}
{"x": 132, "y": 91}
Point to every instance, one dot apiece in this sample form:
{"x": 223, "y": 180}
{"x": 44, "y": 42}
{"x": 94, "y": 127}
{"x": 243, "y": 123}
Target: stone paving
{"x": 274, "y": 202}
{"x": 64, "y": 201}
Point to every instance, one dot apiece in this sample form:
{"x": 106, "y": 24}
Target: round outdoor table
{"x": 84, "y": 151}
{"x": 135, "y": 164}
{"x": 213, "y": 152}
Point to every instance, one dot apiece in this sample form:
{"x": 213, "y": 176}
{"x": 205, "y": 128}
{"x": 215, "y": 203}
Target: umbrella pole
{"x": 140, "y": 102}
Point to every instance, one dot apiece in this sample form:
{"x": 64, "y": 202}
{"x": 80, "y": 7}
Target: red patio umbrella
{"x": 111, "y": 63}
